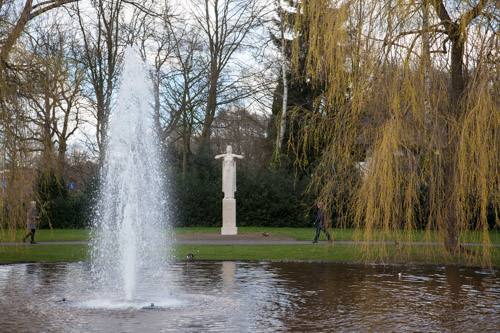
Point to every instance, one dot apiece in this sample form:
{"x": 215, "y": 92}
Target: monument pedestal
{"x": 229, "y": 217}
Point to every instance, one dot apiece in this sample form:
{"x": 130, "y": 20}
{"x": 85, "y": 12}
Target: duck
{"x": 190, "y": 256}
{"x": 151, "y": 307}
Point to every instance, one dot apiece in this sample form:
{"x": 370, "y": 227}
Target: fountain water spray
{"x": 129, "y": 235}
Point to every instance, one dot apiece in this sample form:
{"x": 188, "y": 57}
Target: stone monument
{"x": 229, "y": 187}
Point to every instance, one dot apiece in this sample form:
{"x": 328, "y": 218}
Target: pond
{"x": 255, "y": 297}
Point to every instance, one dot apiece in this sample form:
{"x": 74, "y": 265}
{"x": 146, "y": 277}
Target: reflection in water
{"x": 228, "y": 272}
{"x": 256, "y": 297}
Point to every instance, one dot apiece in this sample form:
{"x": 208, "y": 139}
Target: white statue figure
{"x": 229, "y": 172}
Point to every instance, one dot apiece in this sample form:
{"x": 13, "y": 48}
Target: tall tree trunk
{"x": 156, "y": 92}
{"x": 456, "y": 32}
{"x": 284, "y": 71}
{"x": 211, "y": 106}
{"x": 451, "y": 160}
{"x": 16, "y": 31}
{"x": 457, "y": 76}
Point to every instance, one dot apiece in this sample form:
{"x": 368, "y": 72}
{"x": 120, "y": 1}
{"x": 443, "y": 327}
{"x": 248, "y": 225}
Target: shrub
{"x": 58, "y": 207}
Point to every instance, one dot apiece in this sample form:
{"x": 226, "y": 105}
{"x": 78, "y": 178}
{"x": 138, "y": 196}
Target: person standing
{"x": 32, "y": 222}
{"x": 320, "y": 224}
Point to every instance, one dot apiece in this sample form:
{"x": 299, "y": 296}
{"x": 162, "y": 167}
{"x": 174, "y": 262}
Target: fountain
{"x": 129, "y": 240}
{"x": 125, "y": 286}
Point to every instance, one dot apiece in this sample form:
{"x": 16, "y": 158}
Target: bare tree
{"x": 185, "y": 91}
{"x": 225, "y": 24}
{"x": 101, "y": 56}
{"x": 152, "y": 29}
{"x": 16, "y": 142}
{"x": 29, "y": 12}
{"x": 246, "y": 132}
{"x": 53, "y": 91}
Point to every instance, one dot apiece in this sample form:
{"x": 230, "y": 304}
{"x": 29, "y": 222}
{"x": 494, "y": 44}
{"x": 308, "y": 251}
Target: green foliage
{"x": 50, "y": 186}
{"x": 70, "y": 212}
{"x": 302, "y": 98}
{"x": 196, "y": 198}
{"x": 58, "y": 207}
{"x": 271, "y": 198}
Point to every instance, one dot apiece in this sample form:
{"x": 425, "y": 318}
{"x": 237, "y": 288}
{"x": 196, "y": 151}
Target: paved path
{"x": 259, "y": 242}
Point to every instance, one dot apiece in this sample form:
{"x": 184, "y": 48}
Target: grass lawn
{"x": 306, "y": 234}
{"x": 47, "y": 235}
{"x": 307, "y": 252}
{"x": 299, "y": 234}
{"x": 43, "y": 253}
{"x": 313, "y": 252}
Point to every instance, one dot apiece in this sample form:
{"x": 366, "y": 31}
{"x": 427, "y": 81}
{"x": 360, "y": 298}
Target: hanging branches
{"x": 413, "y": 134}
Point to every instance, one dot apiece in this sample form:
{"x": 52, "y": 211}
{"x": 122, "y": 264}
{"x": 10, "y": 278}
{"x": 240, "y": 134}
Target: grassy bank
{"x": 46, "y": 235}
{"x": 338, "y": 234}
{"x": 315, "y": 252}
{"x": 307, "y": 252}
{"x": 312, "y": 252}
{"x": 299, "y": 234}
{"x": 43, "y": 253}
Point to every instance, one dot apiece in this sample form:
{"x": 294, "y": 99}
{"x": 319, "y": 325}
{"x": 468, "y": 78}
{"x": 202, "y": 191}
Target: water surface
{"x": 254, "y": 297}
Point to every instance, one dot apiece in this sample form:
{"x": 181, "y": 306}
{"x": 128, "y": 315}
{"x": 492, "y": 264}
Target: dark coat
{"x": 320, "y": 219}
{"x": 32, "y": 219}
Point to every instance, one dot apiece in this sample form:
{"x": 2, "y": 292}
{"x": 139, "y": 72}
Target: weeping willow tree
{"x": 18, "y": 159}
{"x": 409, "y": 120}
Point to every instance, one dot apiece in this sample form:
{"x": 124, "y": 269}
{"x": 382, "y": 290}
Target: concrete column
{"x": 229, "y": 217}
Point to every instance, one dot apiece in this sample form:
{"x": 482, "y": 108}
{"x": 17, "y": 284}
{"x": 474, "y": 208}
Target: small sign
{"x": 72, "y": 186}
{"x": 3, "y": 183}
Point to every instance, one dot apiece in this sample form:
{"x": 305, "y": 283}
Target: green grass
{"x": 300, "y": 234}
{"x": 313, "y": 252}
{"x": 47, "y": 235}
{"x": 43, "y": 253}
{"x": 321, "y": 252}
{"x": 307, "y": 252}
{"x": 305, "y": 234}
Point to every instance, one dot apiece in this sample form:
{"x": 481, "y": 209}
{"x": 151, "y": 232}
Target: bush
{"x": 196, "y": 199}
{"x": 58, "y": 208}
{"x": 68, "y": 213}
{"x": 272, "y": 199}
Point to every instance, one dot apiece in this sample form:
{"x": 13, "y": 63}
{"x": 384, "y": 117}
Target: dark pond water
{"x": 255, "y": 297}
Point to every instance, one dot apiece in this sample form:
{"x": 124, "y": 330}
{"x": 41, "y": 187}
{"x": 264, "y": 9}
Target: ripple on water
{"x": 254, "y": 297}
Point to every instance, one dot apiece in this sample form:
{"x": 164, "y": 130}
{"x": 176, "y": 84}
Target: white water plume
{"x": 129, "y": 236}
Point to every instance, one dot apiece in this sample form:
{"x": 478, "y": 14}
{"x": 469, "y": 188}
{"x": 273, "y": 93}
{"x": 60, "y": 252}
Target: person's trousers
{"x": 32, "y": 234}
{"x": 320, "y": 228}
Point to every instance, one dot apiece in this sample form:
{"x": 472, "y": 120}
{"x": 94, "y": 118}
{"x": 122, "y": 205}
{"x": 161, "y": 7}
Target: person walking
{"x": 320, "y": 224}
{"x": 32, "y": 222}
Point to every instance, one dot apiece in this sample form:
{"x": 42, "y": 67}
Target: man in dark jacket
{"x": 320, "y": 224}
{"x": 32, "y": 223}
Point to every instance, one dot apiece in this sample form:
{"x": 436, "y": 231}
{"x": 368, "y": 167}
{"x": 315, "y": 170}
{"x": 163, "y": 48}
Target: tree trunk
{"x": 284, "y": 70}
{"x": 451, "y": 160}
{"x": 26, "y": 15}
{"x": 156, "y": 91}
{"x": 457, "y": 77}
{"x": 211, "y": 106}
{"x": 16, "y": 31}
